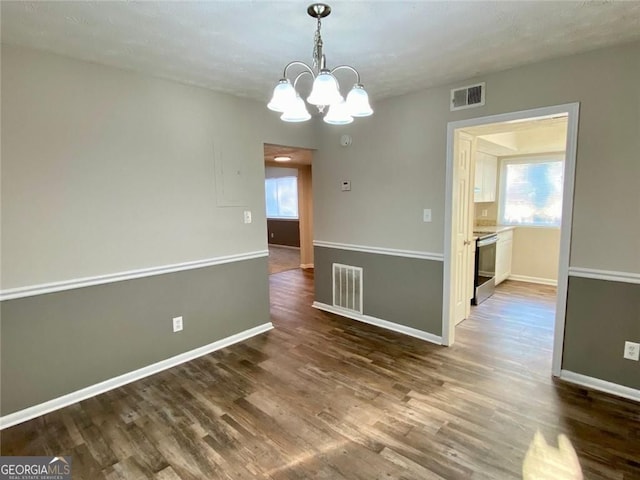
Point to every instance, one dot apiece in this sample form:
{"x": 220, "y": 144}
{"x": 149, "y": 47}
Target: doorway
{"x": 289, "y": 203}
{"x": 499, "y": 202}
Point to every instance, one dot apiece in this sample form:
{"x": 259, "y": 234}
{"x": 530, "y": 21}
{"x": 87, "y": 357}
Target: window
{"x": 531, "y": 191}
{"x": 282, "y": 197}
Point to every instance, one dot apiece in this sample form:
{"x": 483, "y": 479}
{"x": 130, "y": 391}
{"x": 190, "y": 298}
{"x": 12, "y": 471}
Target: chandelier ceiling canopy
{"x": 325, "y": 92}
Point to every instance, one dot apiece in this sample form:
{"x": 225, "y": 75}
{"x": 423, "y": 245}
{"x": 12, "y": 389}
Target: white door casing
{"x": 572, "y": 110}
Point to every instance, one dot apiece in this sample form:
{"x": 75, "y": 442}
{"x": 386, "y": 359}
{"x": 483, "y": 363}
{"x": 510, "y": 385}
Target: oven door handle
{"x": 488, "y": 241}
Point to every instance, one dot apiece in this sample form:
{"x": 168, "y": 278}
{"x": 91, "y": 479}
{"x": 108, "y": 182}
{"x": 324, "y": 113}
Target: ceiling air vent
{"x": 468, "y": 97}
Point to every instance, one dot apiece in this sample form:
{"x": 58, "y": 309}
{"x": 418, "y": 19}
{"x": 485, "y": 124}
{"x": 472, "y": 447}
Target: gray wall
{"x": 601, "y": 316}
{"x": 58, "y": 343}
{"x": 406, "y": 291}
{"x": 106, "y": 171}
{"x": 396, "y": 165}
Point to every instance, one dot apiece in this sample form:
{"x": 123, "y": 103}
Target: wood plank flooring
{"x": 282, "y": 259}
{"x": 324, "y": 397}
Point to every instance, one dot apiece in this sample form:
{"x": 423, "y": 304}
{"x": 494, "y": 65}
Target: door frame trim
{"x": 573, "y": 112}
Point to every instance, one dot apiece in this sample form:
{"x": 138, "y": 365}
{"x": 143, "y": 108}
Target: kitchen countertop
{"x": 493, "y": 229}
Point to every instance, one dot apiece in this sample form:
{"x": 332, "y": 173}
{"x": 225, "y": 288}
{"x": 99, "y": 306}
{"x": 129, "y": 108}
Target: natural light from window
{"x": 531, "y": 191}
{"x": 282, "y": 197}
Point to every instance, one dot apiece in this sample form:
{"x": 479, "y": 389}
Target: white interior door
{"x": 462, "y": 280}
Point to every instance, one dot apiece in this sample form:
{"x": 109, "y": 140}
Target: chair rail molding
{"x": 33, "y": 290}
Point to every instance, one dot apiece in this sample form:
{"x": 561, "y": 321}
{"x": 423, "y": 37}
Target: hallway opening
{"x": 289, "y": 204}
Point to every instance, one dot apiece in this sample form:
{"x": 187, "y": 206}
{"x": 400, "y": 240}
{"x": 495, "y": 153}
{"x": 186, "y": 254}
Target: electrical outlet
{"x": 177, "y": 324}
{"x": 632, "y": 351}
{"x": 485, "y": 212}
{"x": 272, "y": 235}
{"x": 247, "y": 216}
{"x": 426, "y": 215}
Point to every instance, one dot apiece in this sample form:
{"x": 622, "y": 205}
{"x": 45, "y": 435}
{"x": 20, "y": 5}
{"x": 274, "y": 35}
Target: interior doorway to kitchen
{"x": 509, "y": 204}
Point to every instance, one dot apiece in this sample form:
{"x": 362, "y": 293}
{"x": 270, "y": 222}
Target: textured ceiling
{"x": 241, "y": 47}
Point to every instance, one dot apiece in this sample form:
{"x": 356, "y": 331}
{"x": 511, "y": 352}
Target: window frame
{"x": 527, "y": 159}
{"x": 277, "y": 179}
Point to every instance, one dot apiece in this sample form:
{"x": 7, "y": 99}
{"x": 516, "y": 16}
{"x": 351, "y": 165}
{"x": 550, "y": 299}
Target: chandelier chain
{"x": 317, "y": 47}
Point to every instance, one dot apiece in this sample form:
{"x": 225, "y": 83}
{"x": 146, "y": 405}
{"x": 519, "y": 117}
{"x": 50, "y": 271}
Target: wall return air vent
{"x": 468, "y": 97}
{"x": 347, "y": 287}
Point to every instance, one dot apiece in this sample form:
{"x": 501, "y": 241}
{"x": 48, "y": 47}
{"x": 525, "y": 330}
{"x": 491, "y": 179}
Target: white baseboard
{"x": 396, "y": 327}
{"x": 102, "y": 387}
{"x": 306, "y": 265}
{"x": 538, "y": 280}
{"x": 600, "y": 385}
{"x": 290, "y": 247}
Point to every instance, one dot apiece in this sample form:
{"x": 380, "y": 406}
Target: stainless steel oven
{"x": 484, "y": 276}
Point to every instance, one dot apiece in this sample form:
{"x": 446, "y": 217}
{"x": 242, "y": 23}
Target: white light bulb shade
{"x": 284, "y": 95}
{"x": 296, "y": 112}
{"x": 325, "y": 90}
{"x": 358, "y": 102}
{"x": 338, "y": 114}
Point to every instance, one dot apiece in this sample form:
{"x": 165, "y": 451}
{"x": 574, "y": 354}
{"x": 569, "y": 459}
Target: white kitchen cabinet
{"x": 504, "y": 251}
{"x": 485, "y": 179}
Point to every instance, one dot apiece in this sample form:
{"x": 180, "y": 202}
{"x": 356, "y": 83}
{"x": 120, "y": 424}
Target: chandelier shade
{"x": 358, "y": 102}
{"x": 283, "y": 96}
{"x": 296, "y": 111}
{"x": 325, "y": 92}
{"x": 338, "y": 114}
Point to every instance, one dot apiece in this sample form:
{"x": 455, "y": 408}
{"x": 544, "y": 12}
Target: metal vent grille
{"x": 347, "y": 287}
{"x": 467, "y": 97}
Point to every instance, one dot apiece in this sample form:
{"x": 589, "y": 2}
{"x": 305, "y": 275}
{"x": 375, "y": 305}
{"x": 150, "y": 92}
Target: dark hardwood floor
{"x": 329, "y": 398}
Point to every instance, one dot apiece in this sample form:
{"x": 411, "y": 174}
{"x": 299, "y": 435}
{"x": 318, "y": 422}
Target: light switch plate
{"x": 177, "y": 324}
{"x": 346, "y": 185}
{"x": 247, "y": 216}
{"x": 426, "y": 215}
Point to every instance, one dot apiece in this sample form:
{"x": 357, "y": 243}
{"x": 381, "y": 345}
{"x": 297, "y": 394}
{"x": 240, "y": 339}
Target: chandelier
{"x": 325, "y": 92}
